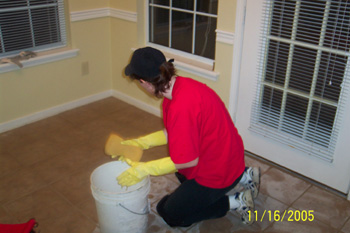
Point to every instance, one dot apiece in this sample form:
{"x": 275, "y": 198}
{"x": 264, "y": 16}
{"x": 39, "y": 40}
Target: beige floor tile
{"x": 265, "y": 208}
{"x": 88, "y": 208}
{"x": 328, "y": 208}
{"x": 230, "y": 223}
{"x": 19, "y": 184}
{"x": 9, "y": 140}
{"x": 64, "y": 164}
{"x": 75, "y": 187}
{"x": 6, "y": 217}
{"x": 80, "y": 116}
{"x": 102, "y": 127}
{"x": 282, "y": 186}
{"x": 67, "y": 137}
{"x": 9, "y": 165}
{"x": 157, "y": 225}
{"x": 43, "y": 127}
{"x": 73, "y": 221}
{"x": 32, "y": 152}
{"x": 213, "y": 225}
{"x": 251, "y": 162}
{"x": 41, "y": 205}
{"x": 346, "y": 227}
{"x": 160, "y": 187}
{"x": 135, "y": 118}
{"x": 46, "y": 165}
{"x": 108, "y": 106}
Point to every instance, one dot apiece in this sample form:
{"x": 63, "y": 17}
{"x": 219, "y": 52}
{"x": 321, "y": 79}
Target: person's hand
{"x": 133, "y": 175}
{"x": 139, "y": 170}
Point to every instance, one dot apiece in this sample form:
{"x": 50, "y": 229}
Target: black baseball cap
{"x": 145, "y": 63}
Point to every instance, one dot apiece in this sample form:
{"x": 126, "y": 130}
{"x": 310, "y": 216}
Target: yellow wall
{"x": 105, "y": 44}
{"x": 227, "y": 15}
{"x": 80, "y": 5}
{"x": 126, "y": 5}
{"x": 34, "y": 89}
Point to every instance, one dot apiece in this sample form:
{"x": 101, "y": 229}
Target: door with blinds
{"x": 293, "y": 103}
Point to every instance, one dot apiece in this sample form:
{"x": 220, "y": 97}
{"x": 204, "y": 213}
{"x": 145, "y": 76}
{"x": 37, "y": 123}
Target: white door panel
{"x": 334, "y": 174}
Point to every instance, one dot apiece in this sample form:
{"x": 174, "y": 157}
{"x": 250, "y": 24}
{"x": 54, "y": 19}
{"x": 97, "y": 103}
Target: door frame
{"x": 237, "y": 55}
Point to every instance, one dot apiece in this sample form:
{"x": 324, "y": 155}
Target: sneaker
{"x": 246, "y": 206}
{"x": 253, "y": 184}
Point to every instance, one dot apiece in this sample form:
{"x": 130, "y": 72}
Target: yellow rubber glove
{"x": 154, "y": 139}
{"x": 139, "y": 170}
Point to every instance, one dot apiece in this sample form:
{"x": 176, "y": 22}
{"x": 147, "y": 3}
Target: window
{"x": 185, "y": 25}
{"x": 31, "y": 25}
{"x": 303, "y": 73}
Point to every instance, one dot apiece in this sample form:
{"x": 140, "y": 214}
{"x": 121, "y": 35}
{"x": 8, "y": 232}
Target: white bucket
{"x": 119, "y": 209}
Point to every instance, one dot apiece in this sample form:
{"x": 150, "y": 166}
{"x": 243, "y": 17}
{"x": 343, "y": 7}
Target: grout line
{"x": 73, "y": 205}
{"x": 311, "y": 181}
{"x": 8, "y": 213}
{"x": 306, "y": 190}
{"x": 342, "y": 226}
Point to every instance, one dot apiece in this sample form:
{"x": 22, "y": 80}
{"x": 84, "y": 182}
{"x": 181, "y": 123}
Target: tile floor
{"x": 46, "y": 165}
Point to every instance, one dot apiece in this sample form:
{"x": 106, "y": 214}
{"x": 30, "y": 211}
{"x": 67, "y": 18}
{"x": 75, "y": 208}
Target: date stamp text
{"x": 278, "y": 216}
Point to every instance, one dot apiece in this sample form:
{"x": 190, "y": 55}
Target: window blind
{"x": 303, "y": 74}
{"x": 31, "y": 25}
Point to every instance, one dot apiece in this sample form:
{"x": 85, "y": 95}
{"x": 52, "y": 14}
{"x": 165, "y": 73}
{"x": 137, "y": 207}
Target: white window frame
{"x": 184, "y": 61}
{"x": 46, "y": 54}
{"x": 62, "y": 43}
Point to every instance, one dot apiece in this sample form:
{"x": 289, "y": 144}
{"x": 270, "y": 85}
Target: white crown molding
{"x": 103, "y": 12}
{"x": 225, "y": 37}
{"x": 89, "y": 14}
{"x": 126, "y": 15}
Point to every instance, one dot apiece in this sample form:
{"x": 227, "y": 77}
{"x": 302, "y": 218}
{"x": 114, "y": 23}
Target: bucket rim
{"x": 127, "y": 190}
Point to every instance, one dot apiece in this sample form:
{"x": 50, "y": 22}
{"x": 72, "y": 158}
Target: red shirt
{"x": 199, "y": 126}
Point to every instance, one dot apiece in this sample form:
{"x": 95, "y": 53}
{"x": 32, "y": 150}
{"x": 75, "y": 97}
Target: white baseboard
{"x": 137, "y": 103}
{"x": 74, "y": 104}
{"x": 52, "y": 111}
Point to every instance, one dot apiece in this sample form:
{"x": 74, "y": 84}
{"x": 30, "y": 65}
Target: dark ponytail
{"x": 162, "y": 82}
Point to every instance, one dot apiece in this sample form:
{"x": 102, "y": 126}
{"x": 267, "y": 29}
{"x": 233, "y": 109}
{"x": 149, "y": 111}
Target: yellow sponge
{"x": 114, "y": 148}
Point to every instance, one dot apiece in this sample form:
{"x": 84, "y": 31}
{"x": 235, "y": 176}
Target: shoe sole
{"x": 256, "y": 180}
{"x": 247, "y": 196}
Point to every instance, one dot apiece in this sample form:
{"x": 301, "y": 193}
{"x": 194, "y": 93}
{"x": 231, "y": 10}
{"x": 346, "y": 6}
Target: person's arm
{"x": 165, "y": 134}
{"x": 193, "y": 163}
{"x": 140, "y": 170}
{"x": 157, "y": 138}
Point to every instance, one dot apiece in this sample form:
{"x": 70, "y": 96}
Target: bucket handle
{"x": 147, "y": 211}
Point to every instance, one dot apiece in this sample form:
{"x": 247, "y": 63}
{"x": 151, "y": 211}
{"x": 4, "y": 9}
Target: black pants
{"x": 192, "y": 202}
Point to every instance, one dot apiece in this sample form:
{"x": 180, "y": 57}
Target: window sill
{"x": 42, "y": 58}
{"x": 195, "y": 65}
{"x": 195, "y": 70}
